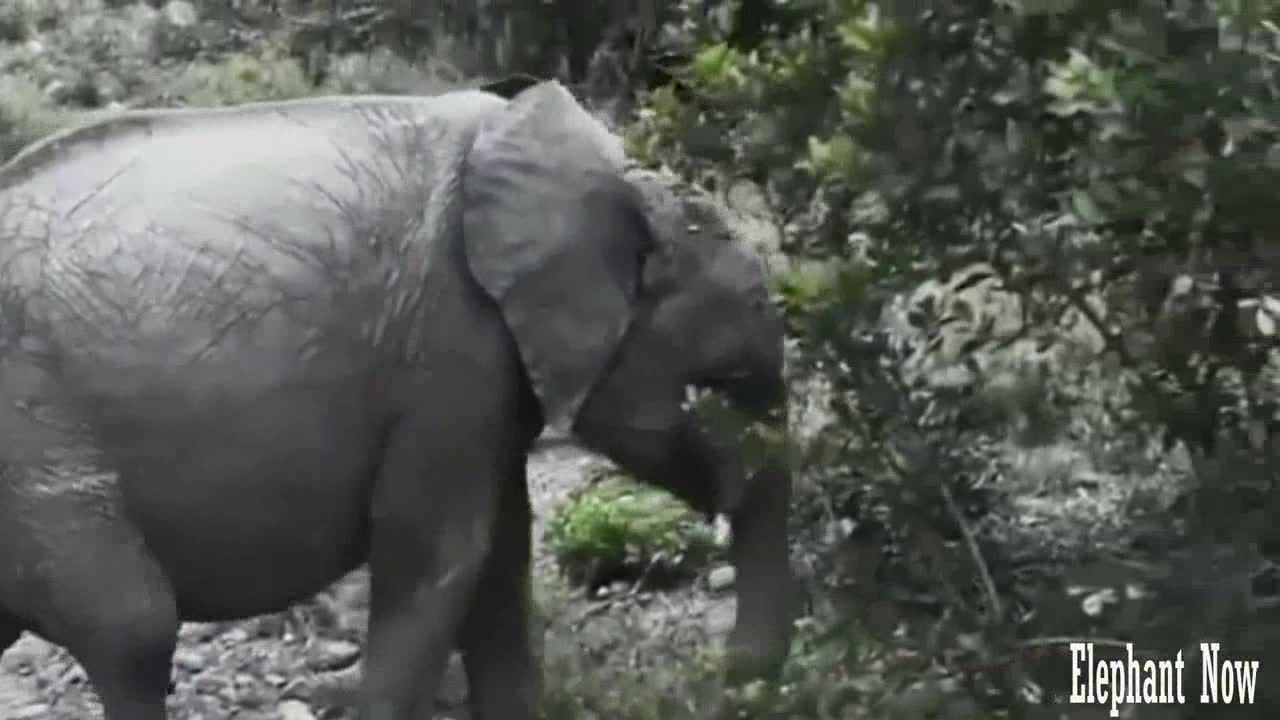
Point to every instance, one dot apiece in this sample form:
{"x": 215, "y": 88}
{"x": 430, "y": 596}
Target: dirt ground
{"x": 304, "y": 664}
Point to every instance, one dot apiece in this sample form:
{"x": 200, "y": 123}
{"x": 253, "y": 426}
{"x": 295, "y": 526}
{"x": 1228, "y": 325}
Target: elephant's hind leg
{"x": 12, "y": 533}
{"x": 90, "y": 584}
{"x": 505, "y": 679}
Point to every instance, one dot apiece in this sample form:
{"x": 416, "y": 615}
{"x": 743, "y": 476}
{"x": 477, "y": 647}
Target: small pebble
{"x": 209, "y": 685}
{"x": 721, "y": 578}
{"x": 31, "y": 712}
{"x": 188, "y": 660}
{"x": 295, "y": 710}
{"x": 327, "y": 655}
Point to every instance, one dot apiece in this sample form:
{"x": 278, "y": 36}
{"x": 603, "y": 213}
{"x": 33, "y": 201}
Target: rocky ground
{"x": 304, "y": 664}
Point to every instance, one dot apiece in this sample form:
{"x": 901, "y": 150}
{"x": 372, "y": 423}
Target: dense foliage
{"x": 1108, "y": 165}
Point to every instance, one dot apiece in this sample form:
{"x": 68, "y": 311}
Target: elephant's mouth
{"x": 761, "y": 396}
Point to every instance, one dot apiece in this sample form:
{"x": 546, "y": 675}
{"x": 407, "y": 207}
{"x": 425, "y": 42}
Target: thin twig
{"x": 1053, "y": 640}
{"x": 984, "y": 572}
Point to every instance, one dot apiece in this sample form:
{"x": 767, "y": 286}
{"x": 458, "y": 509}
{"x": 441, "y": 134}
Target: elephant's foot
{"x": 89, "y": 583}
{"x": 411, "y": 631}
{"x": 504, "y": 677}
{"x": 131, "y": 671}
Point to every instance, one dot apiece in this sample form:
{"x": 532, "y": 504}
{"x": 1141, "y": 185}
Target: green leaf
{"x": 863, "y": 34}
{"x": 1062, "y": 87}
{"x": 716, "y": 67}
{"x": 1085, "y": 208}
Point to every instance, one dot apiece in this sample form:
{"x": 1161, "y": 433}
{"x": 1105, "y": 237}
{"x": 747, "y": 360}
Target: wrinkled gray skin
{"x": 246, "y": 350}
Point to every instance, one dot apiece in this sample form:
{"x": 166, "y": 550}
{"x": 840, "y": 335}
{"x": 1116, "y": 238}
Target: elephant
{"x": 246, "y": 350}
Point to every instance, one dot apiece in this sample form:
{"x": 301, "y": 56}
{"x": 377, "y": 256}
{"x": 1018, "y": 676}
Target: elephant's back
{"x": 151, "y": 156}
{"x": 289, "y": 190}
{"x": 241, "y": 248}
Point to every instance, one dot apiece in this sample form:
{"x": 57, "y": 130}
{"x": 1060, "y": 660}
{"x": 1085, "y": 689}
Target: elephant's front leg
{"x": 432, "y": 521}
{"x": 504, "y": 676}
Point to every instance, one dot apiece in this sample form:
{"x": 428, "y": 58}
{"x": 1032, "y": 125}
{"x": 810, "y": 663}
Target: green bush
{"x": 381, "y": 71}
{"x": 15, "y": 24}
{"x": 26, "y": 115}
{"x": 19, "y": 19}
{"x": 618, "y": 529}
{"x": 1112, "y": 164}
{"x": 243, "y": 77}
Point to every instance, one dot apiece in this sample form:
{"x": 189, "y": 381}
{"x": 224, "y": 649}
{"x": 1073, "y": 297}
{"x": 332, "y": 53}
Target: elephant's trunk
{"x": 767, "y": 590}
{"x": 758, "y": 508}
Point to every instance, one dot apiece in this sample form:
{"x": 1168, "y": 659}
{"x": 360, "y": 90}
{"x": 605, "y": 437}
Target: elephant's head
{"x": 618, "y": 302}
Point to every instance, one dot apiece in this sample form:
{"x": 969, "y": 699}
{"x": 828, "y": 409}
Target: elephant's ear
{"x": 556, "y": 237}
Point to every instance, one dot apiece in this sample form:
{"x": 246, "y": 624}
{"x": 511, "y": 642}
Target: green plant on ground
{"x": 244, "y": 77}
{"x": 618, "y": 529}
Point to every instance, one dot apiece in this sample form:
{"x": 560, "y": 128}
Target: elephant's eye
{"x": 646, "y": 268}
{"x": 657, "y": 269}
